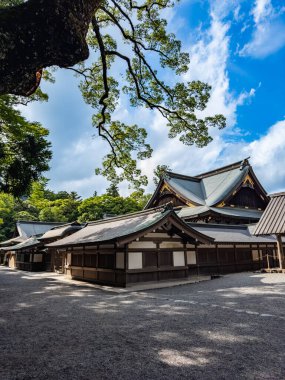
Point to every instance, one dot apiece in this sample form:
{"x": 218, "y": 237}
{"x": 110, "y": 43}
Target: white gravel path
{"x": 228, "y": 328}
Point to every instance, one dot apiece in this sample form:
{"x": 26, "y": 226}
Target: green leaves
{"x": 24, "y": 150}
{"x": 132, "y": 36}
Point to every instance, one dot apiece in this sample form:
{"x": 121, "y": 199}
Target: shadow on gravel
{"x": 211, "y": 330}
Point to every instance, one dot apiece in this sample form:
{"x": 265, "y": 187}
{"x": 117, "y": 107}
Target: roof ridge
{"x": 223, "y": 169}
{"x": 65, "y": 225}
{"x": 219, "y": 226}
{"x": 181, "y": 176}
{"x": 39, "y": 222}
{"x": 165, "y": 207}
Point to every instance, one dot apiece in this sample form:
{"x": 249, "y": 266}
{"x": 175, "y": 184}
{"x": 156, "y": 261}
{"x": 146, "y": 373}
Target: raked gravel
{"x": 228, "y": 328}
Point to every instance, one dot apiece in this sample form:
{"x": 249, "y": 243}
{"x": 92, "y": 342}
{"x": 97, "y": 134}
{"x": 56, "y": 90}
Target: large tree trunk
{"x": 38, "y": 34}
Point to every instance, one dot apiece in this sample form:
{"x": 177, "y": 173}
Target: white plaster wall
{"x": 157, "y": 234}
{"x": 142, "y": 244}
{"x": 255, "y": 255}
{"x": 38, "y": 257}
{"x": 171, "y": 244}
{"x": 191, "y": 257}
{"x": 120, "y": 263}
{"x": 135, "y": 260}
{"x": 68, "y": 259}
{"x": 178, "y": 259}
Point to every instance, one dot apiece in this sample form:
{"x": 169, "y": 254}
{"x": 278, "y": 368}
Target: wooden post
{"x": 268, "y": 265}
{"x": 280, "y": 251}
{"x": 235, "y": 258}
{"x": 158, "y": 260}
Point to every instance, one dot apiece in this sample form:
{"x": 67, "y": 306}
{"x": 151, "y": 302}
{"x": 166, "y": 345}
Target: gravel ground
{"x": 228, "y": 328}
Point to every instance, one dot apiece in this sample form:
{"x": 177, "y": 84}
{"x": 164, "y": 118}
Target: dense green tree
{"x": 160, "y": 172}
{"x": 24, "y": 149}
{"x": 96, "y": 207}
{"x": 113, "y": 190}
{"x": 140, "y": 198}
{"x": 133, "y": 33}
{"x": 7, "y": 216}
{"x": 60, "y": 210}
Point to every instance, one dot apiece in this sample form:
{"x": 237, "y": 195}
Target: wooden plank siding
{"x": 99, "y": 263}
{"x": 230, "y": 258}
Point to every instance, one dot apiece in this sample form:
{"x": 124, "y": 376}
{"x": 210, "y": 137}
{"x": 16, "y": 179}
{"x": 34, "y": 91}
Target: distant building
{"x": 228, "y": 195}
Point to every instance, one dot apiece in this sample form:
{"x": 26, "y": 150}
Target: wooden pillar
{"x": 280, "y": 251}
{"x": 197, "y": 258}
{"x": 158, "y": 260}
{"x": 235, "y": 258}
{"x": 259, "y": 256}
{"x": 185, "y": 260}
{"x": 218, "y": 259}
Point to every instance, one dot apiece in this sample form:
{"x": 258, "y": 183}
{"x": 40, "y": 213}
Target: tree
{"x": 160, "y": 172}
{"x": 113, "y": 190}
{"x": 51, "y": 206}
{"x": 148, "y": 51}
{"x": 24, "y": 149}
{"x": 96, "y": 207}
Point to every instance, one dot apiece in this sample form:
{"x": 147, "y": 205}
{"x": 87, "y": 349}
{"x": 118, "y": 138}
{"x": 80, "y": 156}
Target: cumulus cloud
{"x": 209, "y": 58}
{"x": 269, "y": 31}
{"x": 75, "y": 169}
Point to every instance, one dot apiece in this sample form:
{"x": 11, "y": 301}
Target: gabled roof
{"x": 234, "y": 212}
{"x": 61, "y": 231}
{"x": 207, "y": 189}
{"x": 31, "y": 228}
{"x": 28, "y": 243}
{"x": 26, "y": 229}
{"x": 12, "y": 241}
{"x": 127, "y": 228}
{"x": 231, "y": 234}
{"x": 273, "y": 218}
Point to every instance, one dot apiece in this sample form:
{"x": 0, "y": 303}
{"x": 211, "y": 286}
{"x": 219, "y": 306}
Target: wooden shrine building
{"x": 228, "y": 195}
{"x": 29, "y": 252}
{"x": 24, "y": 230}
{"x": 151, "y": 245}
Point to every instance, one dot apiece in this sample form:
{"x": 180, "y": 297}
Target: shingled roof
{"x": 61, "y": 231}
{"x": 231, "y": 234}
{"x": 190, "y": 212}
{"x": 273, "y": 218}
{"x": 210, "y": 188}
{"x": 28, "y": 243}
{"x": 128, "y": 227}
{"x": 26, "y": 229}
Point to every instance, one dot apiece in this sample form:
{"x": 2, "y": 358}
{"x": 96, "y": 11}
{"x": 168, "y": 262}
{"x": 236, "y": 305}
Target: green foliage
{"x": 135, "y": 34}
{"x": 7, "y": 215}
{"x": 113, "y": 190}
{"x": 160, "y": 172}
{"x": 48, "y": 206}
{"x": 96, "y": 207}
{"x": 24, "y": 150}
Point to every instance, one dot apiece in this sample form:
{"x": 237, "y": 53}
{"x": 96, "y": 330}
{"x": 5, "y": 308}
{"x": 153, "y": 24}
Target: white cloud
{"x": 209, "y": 58}
{"x": 74, "y": 169}
{"x": 269, "y": 31}
{"x": 268, "y": 157}
{"x": 262, "y": 9}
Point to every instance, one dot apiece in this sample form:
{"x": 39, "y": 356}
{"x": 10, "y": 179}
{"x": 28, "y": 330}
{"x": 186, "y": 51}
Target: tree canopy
{"x": 24, "y": 149}
{"x": 131, "y": 35}
{"x": 48, "y": 206}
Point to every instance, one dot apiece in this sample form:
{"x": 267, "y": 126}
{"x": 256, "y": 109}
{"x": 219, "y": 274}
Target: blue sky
{"x": 236, "y": 46}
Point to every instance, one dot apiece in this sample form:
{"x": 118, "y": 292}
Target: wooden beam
{"x": 280, "y": 251}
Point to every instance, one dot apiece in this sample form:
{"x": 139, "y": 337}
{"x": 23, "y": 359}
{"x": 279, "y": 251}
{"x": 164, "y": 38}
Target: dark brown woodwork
{"x": 247, "y": 197}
